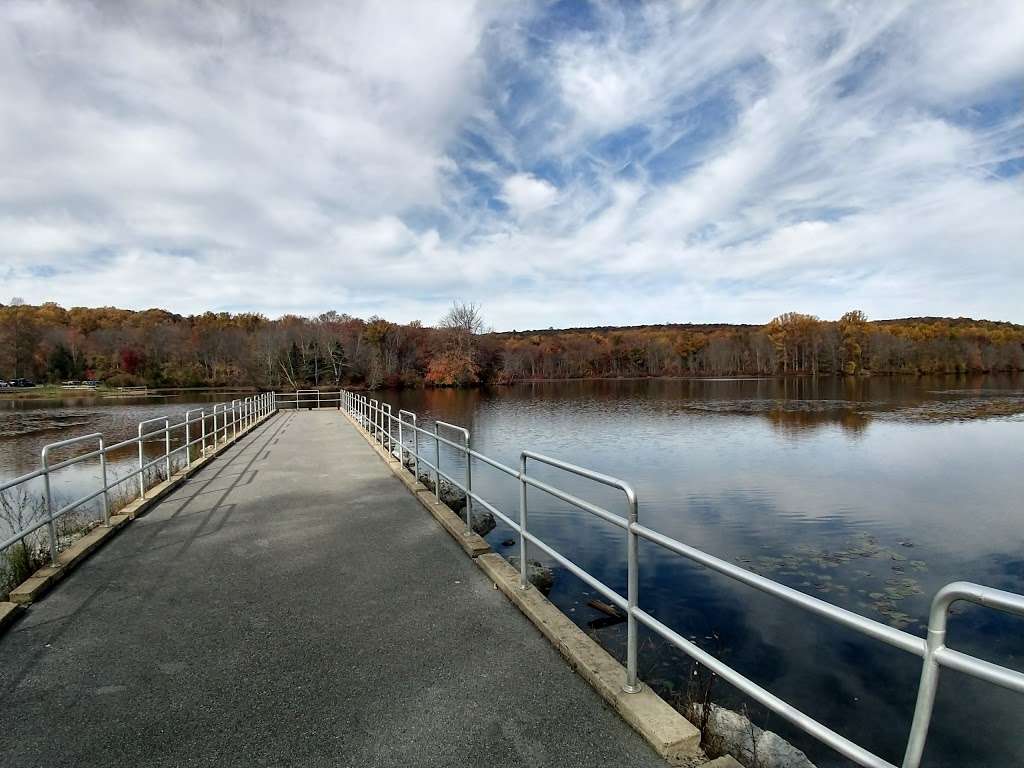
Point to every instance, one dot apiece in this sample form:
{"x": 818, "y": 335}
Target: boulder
{"x": 542, "y": 577}
{"x": 451, "y": 496}
{"x": 455, "y": 499}
{"x": 482, "y": 521}
{"x": 749, "y": 744}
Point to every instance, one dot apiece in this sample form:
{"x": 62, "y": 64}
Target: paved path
{"x": 292, "y": 605}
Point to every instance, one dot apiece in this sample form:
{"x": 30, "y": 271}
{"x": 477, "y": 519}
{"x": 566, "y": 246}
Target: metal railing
{"x": 380, "y": 424}
{"x": 235, "y": 418}
{"x": 309, "y": 399}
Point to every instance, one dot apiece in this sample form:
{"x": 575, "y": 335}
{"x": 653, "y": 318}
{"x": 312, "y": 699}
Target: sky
{"x": 560, "y": 163}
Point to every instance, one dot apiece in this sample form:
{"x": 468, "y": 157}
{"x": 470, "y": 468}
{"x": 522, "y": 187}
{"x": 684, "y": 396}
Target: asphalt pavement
{"x": 292, "y": 604}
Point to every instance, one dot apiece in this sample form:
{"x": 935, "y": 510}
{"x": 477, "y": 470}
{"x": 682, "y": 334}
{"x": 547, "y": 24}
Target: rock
{"x": 455, "y": 499}
{"x": 483, "y": 522}
{"x": 749, "y": 744}
{"x": 451, "y": 496}
{"x": 542, "y": 577}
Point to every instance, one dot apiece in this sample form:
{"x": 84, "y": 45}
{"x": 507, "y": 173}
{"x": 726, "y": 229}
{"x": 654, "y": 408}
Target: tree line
{"x": 158, "y": 348}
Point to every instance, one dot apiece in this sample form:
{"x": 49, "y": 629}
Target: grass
{"x": 51, "y": 392}
{"x": 20, "y": 509}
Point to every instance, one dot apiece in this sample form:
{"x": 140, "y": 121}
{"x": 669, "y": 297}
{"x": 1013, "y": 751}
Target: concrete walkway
{"x": 293, "y": 605}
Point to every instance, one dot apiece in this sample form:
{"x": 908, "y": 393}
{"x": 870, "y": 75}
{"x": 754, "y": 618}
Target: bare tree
{"x": 465, "y": 318}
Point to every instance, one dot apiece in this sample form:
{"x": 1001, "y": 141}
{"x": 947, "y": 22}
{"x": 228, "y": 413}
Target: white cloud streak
{"x": 660, "y": 163}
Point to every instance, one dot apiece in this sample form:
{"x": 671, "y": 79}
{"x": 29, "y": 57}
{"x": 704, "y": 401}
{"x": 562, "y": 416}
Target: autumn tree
{"x": 853, "y": 333}
{"x": 457, "y": 365}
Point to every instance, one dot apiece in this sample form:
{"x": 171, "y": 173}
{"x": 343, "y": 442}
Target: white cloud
{"x": 690, "y": 162}
{"x": 526, "y": 194}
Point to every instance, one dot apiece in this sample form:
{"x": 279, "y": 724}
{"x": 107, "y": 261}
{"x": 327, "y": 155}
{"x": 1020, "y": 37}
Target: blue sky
{"x": 563, "y": 163}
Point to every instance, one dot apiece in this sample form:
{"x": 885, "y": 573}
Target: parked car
{"x": 21, "y": 383}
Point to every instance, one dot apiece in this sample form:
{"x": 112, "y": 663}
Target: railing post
{"x": 188, "y": 441}
{"x": 318, "y": 399}
{"x": 437, "y": 465}
{"x": 632, "y": 684}
{"x": 524, "y": 580}
{"x": 49, "y": 511}
{"x": 142, "y": 467}
{"x": 401, "y": 442}
{"x": 103, "y": 479}
{"x": 415, "y": 449}
{"x": 202, "y": 429}
{"x": 167, "y": 447}
{"x": 469, "y": 487}
{"x": 929, "y": 683}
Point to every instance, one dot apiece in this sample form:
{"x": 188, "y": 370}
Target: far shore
{"x": 59, "y": 392}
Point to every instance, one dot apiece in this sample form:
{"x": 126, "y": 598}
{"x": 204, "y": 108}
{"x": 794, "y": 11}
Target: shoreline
{"x": 58, "y": 392}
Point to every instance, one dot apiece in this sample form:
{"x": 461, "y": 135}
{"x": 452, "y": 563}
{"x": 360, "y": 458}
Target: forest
{"x": 157, "y": 348}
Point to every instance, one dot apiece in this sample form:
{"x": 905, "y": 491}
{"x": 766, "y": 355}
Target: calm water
{"x": 869, "y": 494}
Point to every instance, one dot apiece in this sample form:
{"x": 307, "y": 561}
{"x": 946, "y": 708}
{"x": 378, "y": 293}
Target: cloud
{"x": 629, "y": 163}
{"x": 526, "y": 194}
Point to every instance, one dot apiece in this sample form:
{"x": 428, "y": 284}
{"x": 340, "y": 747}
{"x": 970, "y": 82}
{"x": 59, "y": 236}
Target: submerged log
{"x": 608, "y": 610}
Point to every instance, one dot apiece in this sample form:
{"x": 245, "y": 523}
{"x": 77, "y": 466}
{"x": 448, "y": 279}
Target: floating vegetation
{"x": 814, "y": 569}
{"x": 857, "y": 414}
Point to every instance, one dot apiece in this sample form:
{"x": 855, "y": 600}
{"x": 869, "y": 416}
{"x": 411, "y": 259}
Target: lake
{"x": 868, "y": 493}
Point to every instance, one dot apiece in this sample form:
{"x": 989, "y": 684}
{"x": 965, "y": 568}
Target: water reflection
{"x": 870, "y": 494}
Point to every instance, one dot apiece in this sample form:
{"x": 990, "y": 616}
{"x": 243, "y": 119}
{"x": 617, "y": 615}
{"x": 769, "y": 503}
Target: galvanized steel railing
{"x": 378, "y": 421}
{"x": 228, "y": 419}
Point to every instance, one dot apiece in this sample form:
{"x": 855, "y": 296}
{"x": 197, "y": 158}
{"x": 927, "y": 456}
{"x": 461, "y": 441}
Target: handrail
{"x": 469, "y": 467}
{"x": 368, "y": 414}
{"x": 245, "y": 414}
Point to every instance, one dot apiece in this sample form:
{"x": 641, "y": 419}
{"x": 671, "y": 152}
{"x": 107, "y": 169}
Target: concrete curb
{"x": 8, "y": 613}
{"x": 36, "y": 585}
{"x": 472, "y": 544}
{"x": 44, "y": 579}
{"x": 670, "y": 734}
{"x": 725, "y": 761}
